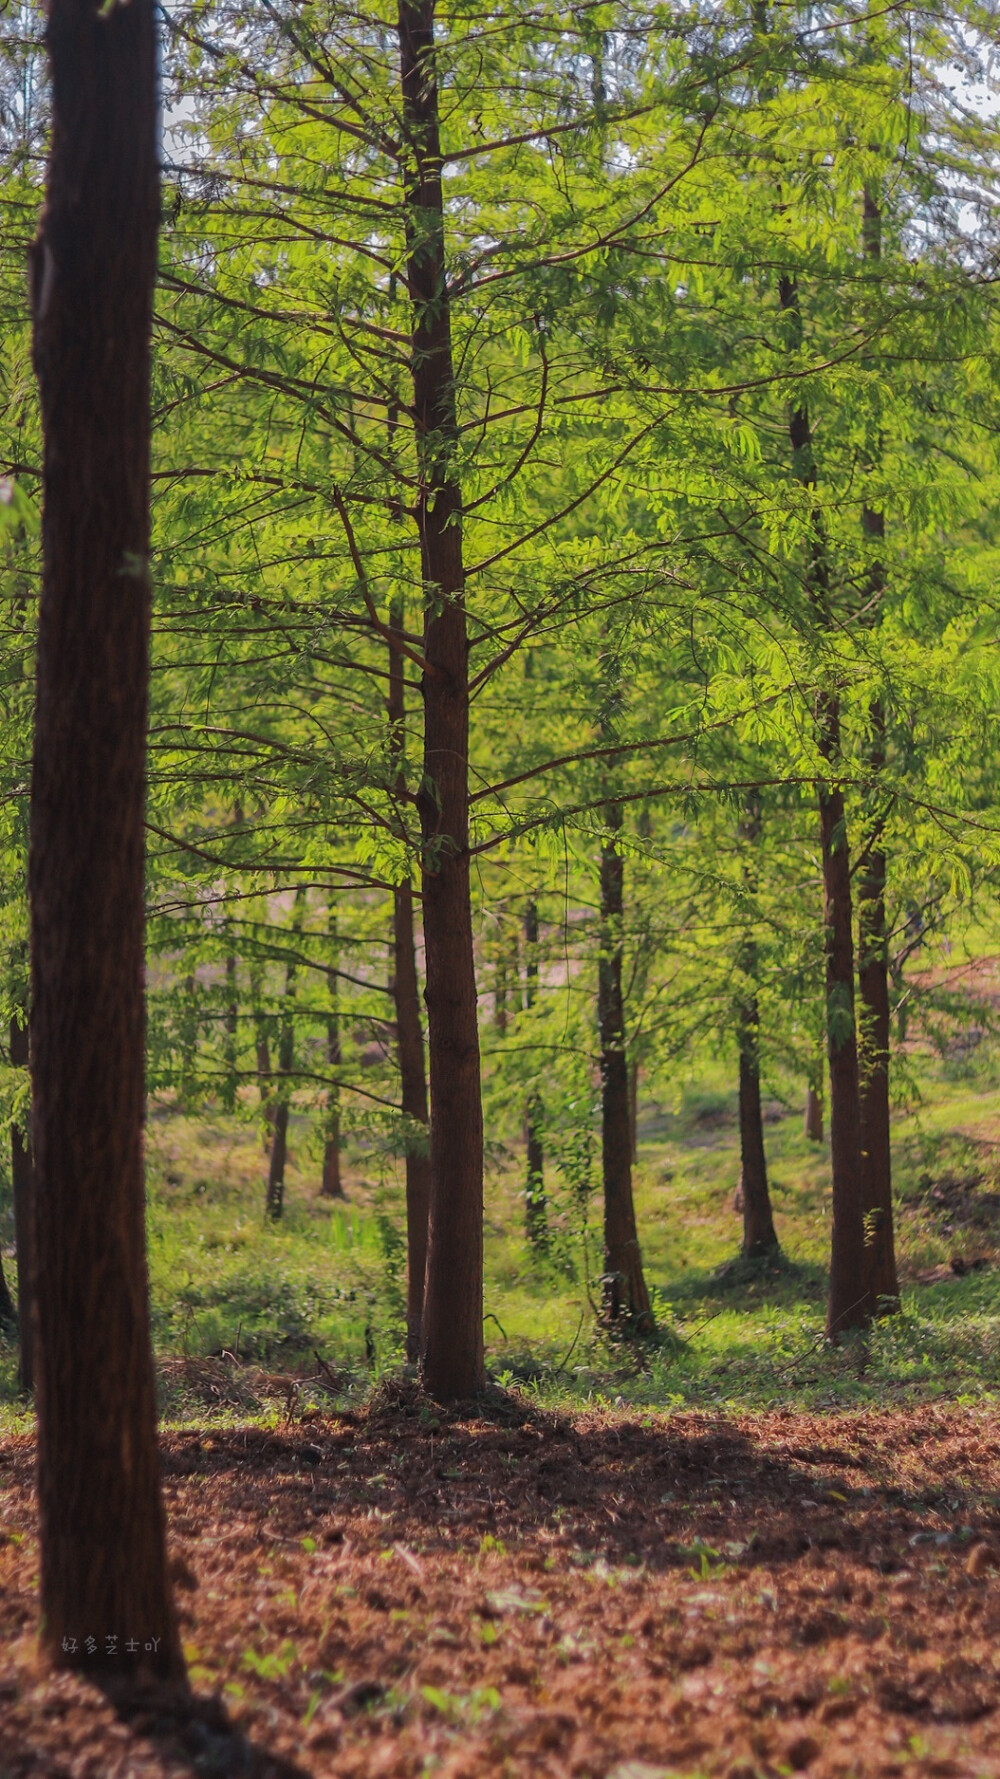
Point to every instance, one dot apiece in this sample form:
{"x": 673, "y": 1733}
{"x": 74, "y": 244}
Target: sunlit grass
{"x": 328, "y": 1279}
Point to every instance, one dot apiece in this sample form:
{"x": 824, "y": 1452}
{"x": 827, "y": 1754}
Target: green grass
{"x": 330, "y": 1279}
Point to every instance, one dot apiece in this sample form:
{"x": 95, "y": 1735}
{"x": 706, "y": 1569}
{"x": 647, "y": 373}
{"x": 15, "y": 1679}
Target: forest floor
{"x": 515, "y": 1591}
{"x": 735, "y": 1551}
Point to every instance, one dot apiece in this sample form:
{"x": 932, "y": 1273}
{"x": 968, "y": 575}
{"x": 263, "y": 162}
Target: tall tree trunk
{"x": 625, "y": 1293}
{"x": 409, "y": 1030}
{"x": 103, "y": 1546}
{"x": 758, "y": 1223}
{"x": 535, "y": 1220}
{"x": 873, "y": 950}
{"x": 849, "y": 1303}
{"x": 23, "y": 1179}
{"x": 452, "y": 1331}
{"x": 332, "y": 1185}
{"x": 275, "y": 1202}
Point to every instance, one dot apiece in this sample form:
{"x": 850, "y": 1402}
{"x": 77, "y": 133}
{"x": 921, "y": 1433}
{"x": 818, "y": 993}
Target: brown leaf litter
{"x": 603, "y": 1596}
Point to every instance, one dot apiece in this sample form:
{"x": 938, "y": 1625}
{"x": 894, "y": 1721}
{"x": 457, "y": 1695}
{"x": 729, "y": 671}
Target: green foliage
{"x": 664, "y": 239}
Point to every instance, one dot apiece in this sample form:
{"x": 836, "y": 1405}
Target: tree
{"x": 626, "y": 1297}
{"x": 22, "y": 1170}
{"x": 534, "y": 1185}
{"x": 452, "y": 1326}
{"x": 93, "y": 265}
{"x": 758, "y": 1224}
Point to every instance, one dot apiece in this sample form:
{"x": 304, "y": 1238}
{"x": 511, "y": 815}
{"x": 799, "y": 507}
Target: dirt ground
{"x": 518, "y": 1592}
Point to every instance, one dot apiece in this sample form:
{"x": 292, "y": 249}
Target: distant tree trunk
{"x": 263, "y": 1053}
{"x": 500, "y": 978}
{"x": 452, "y": 1331}
{"x": 633, "y": 1110}
{"x": 23, "y": 1179}
{"x": 409, "y": 1030}
{"x": 188, "y": 1039}
{"x": 275, "y": 1202}
{"x": 813, "y": 1118}
{"x": 8, "y": 1314}
{"x": 873, "y": 951}
{"x": 625, "y": 1293}
{"x": 103, "y": 1545}
{"x": 758, "y": 1223}
{"x": 849, "y": 1304}
{"x": 332, "y": 1185}
{"x": 876, "y": 1164}
{"x": 230, "y": 1020}
{"x": 535, "y": 1218}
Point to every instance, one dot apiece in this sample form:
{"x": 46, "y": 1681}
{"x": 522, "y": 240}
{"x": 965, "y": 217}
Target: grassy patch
{"x": 257, "y": 1300}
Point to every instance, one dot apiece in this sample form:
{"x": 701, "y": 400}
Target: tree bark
{"x": 452, "y": 1331}
{"x": 103, "y": 1547}
{"x": 849, "y": 1304}
{"x": 625, "y": 1293}
{"x": 535, "y": 1218}
{"x": 23, "y": 1179}
{"x": 409, "y": 1030}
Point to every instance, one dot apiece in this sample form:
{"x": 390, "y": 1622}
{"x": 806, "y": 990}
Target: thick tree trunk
{"x": 23, "y": 1179}
{"x": 332, "y": 1185}
{"x": 409, "y": 1030}
{"x": 452, "y": 1331}
{"x": 103, "y": 1546}
{"x": 625, "y": 1293}
{"x": 535, "y": 1218}
{"x": 758, "y": 1224}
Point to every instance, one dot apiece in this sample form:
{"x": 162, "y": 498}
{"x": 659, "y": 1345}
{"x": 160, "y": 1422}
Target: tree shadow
{"x": 741, "y": 1284}
{"x": 621, "y": 1489}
